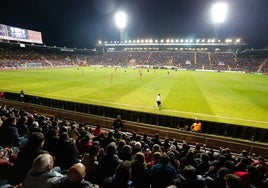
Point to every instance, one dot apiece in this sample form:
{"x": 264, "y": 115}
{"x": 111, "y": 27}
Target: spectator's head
{"x": 139, "y": 157}
{"x": 43, "y": 163}
{"x": 36, "y": 140}
{"x": 164, "y": 159}
{"x": 156, "y": 148}
{"x": 222, "y": 172}
{"x": 137, "y": 146}
{"x": 111, "y": 149}
{"x": 123, "y": 171}
{"x": 77, "y": 173}
{"x": 233, "y": 181}
{"x": 189, "y": 172}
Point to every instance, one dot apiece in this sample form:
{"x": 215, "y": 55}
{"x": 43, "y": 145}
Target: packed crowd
{"x": 40, "y": 151}
{"x": 189, "y": 60}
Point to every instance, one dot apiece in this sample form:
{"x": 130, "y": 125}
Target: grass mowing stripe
{"x": 223, "y": 97}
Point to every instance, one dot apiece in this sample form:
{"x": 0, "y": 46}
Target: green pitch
{"x": 223, "y": 97}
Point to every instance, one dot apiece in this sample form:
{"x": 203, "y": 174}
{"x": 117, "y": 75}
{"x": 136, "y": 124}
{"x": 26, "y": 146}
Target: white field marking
{"x": 177, "y": 111}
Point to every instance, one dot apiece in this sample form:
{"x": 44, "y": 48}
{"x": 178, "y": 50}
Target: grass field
{"x": 223, "y": 97}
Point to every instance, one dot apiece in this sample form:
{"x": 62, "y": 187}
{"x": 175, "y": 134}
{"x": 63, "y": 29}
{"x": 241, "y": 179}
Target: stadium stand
{"x": 203, "y": 162}
{"x": 192, "y": 158}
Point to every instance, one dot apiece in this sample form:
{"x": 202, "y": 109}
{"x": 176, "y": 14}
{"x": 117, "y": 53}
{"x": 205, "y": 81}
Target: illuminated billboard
{"x": 18, "y": 34}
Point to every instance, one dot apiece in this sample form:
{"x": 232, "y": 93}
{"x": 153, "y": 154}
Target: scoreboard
{"x": 18, "y": 34}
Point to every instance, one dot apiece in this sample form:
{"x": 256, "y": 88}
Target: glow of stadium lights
{"x": 219, "y": 40}
{"x": 197, "y": 40}
{"x": 237, "y": 40}
{"x": 191, "y": 40}
{"x": 177, "y": 40}
{"x": 129, "y": 41}
{"x": 121, "y": 22}
{"x": 156, "y": 41}
{"x": 209, "y": 40}
{"x": 138, "y": 41}
{"x": 99, "y": 42}
{"x": 142, "y": 41}
{"x": 172, "y": 40}
{"x": 218, "y": 12}
{"x": 146, "y": 40}
{"x": 181, "y": 40}
{"x": 167, "y": 41}
{"x": 186, "y": 40}
{"x": 162, "y": 40}
{"x": 203, "y": 40}
{"x": 150, "y": 41}
{"x": 212, "y": 40}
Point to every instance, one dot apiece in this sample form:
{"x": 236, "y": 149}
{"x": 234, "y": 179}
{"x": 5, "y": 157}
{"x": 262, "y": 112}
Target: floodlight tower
{"x": 218, "y": 13}
{"x": 121, "y": 22}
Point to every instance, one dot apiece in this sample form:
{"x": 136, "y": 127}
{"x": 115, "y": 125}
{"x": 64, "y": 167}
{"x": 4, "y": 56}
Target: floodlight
{"x": 219, "y": 11}
{"x": 121, "y": 20}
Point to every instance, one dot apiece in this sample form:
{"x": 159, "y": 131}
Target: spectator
{"x": 97, "y": 131}
{"x": 66, "y": 152}
{"x": 121, "y": 177}
{"x": 26, "y": 156}
{"x": 233, "y": 181}
{"x": 75, "y": 178}
{"x": 90, "y": 160}
{"x": 163, "y": 173}
{"x": 42, "y": 174}
{"x": 139, "y": 174}
{"x": 9, "y": 135}
{"x": 118, "y": 123}
{"x": 108, "y": 162}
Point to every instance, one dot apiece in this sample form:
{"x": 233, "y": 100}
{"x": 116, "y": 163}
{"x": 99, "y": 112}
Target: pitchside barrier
{"x": 213, "y": 134}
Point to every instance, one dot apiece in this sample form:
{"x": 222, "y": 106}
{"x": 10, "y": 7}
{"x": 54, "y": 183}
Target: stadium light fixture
{"x": 237, "y": 40}
{"x": 121, "y": 23}
{"x": 218, "y": 12}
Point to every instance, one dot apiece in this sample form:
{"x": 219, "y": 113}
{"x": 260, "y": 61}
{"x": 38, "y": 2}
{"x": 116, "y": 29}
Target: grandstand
{"x": 229, "y": 55}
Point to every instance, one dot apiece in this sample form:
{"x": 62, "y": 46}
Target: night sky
{"x": 81, "y": 23}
